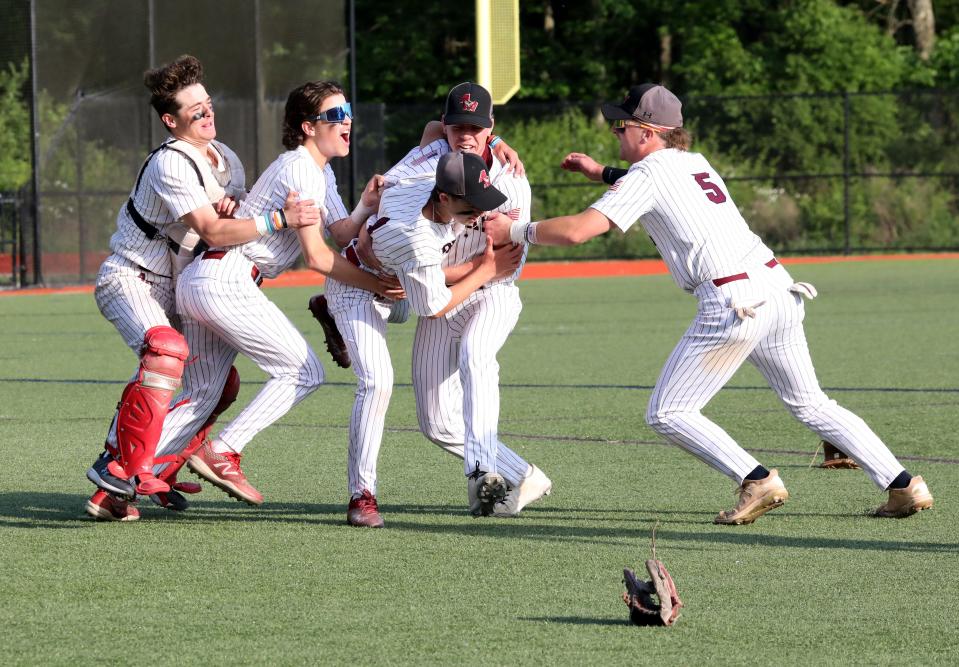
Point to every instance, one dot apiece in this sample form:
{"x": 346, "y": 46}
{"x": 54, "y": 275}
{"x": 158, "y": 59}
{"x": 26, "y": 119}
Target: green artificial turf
{"x": 815, "y": 582}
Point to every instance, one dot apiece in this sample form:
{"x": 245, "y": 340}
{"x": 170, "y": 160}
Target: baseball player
{"x": 185, "y": 192}
{"x": 225, "y": 313}
{"x": 749, "y": 306}
{"x": 469, "y": 337}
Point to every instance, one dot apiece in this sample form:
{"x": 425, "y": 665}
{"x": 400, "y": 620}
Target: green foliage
{"x": 15, "y": 159}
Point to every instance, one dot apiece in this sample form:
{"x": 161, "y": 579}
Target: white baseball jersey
{"x": 224, "y": 313}
{"x": 684, "y": 206}
{"x": 168, "y": 190}
{"x": 294, "y": 170}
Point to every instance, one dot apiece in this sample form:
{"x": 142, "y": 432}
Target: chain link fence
{"x": 812, "y": 173}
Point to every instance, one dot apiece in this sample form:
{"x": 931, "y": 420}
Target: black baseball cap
{"x": 464, "y": 175}
{"x": 648, "y": 103}
{"x": 468, "y": 104}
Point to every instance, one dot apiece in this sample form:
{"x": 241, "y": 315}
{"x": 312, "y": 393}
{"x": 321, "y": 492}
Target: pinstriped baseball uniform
{"x": 225, "y": 313}
{"x": 684, "y": 205}
{"x": 134, "y": 286}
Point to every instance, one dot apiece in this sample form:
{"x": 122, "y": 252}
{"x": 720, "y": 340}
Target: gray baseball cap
{"x": 648, "y": 103}
{"x": 464, "y": 175}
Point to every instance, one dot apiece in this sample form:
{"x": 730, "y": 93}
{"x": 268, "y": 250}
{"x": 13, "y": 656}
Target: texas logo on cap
{"x": 484, "y": 179}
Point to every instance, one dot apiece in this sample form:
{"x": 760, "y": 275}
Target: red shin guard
{"x": 231, "y": 388}
{"x": 145, "y": 403}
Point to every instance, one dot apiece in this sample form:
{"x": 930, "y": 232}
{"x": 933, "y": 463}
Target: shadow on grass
{"x": 573, "y": 620}
{"x": 29, "y": 510}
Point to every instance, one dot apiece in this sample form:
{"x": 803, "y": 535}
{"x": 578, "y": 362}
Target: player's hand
{"x": 364, "y": 249}
{"x": 226, "y": 207}
{"x": 372, "y": 192}
{"x": 488, "y": 264}
{"x": 496, "y": 225}
{"x": 508, "y": 258}
{"x": 510, "y": 158}
{"x": 585, "y": 165}
{"x": 390, "y": 288}
{"x": 300, "y": 213}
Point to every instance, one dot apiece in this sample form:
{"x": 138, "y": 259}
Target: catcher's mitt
{"x": 643, "y": 610}
{"x": 835, "y": 458}
{"x": 334, "y": 340}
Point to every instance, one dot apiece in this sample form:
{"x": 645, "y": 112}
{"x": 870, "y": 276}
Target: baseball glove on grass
{"x": 835, "y": 458}
{"x": 643, "y": 609}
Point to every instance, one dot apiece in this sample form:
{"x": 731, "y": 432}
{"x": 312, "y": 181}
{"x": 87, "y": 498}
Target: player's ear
{"x": 308, "y": 128}
{"x": 169, "y": 120}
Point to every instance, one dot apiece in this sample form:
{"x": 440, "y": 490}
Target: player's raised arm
{"x": 345, "y": 230}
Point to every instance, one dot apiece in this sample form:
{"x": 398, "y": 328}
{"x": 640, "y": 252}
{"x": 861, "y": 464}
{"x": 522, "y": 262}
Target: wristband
{"x": 264, "y": 226}
{"x": 493, "y": 140}
{"x": 613, "y": 174}
{"x": 281, "y": 214}
{"x": 518, "y": 232}
{"x": 361, "y": 212}
{"x": 531, "y": 233}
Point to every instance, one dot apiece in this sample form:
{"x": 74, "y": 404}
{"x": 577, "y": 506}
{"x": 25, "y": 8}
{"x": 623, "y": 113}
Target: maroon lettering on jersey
{"x": 713, "y": 193}
{"x": 376, "y": 225}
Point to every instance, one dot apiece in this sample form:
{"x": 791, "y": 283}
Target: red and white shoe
{"x": 364, "y": 512}
{"x": 223, "y": 470}
{"x": 107, "y": 507}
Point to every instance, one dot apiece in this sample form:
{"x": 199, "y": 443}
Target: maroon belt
{"x": 220, "y": 254}
{"x": 351, "y": 256}
{"x": 719, "y": 282}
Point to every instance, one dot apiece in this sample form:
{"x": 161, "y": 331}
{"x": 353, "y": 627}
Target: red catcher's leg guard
{"x": 145, "y": 403}
{"x": 231, "y": 389}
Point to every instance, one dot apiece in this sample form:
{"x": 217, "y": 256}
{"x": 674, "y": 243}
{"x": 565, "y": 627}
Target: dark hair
{"x": 678, "y": 138}
{"x": 302, "y": 103}
{"x": 166, "y": 81}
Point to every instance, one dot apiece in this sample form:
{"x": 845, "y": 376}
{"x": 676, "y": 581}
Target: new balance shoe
{"x": 223, "y": 471}
{"x": 106, "y": 507}
{"x": 99, "y": 473}
{"x": 906, "y": 502}
{"x": 484, "y": 490}
{"x": 756, "y": 497}
{"x": 835, "y": 459}
{"x": 363, "y": 511}
{"x": 535, "y": 485}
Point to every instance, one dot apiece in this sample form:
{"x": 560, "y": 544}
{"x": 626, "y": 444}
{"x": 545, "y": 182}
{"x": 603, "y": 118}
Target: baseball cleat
{"x": 756, "y": 497}
{"x": 484, "y": 490}
{"x": 171, "y": 500}
{"x": 223, "y": 471}
{"x": 99, "y": 473}
{"x": 106, "y": 507}
{"x": 534, "y": 486}
{"x": 363, "y": 511}
{"x": 906, "y": 502}
{"x": 334, "y": 341}
{"x": 835, "y": 459}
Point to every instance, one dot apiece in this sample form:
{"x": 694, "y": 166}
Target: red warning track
{"x": 545, "y": 270}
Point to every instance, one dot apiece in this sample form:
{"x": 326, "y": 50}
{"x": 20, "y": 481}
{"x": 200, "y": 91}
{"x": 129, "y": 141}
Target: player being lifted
{"x": 749, "y": 306}
{"x": 455, "y": 372}
{"x": 186, "y": 191}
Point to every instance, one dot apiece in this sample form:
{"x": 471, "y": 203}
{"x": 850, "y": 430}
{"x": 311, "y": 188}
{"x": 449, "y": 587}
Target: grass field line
{"x": 524, "y": 385}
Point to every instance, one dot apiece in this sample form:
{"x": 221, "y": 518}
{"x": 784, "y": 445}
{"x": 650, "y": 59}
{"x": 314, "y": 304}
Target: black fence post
{"x": 845, "y": 173}
{"x": 355, "y": 98}
{"x": 35, "y": 146}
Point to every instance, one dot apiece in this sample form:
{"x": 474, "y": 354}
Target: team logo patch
{"x": 615, "y": 186}
{"x": 484, "y": 179}
{"x": 468, "y": 104}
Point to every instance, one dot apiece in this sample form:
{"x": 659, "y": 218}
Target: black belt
{"x": 220, "y": 254}
{"x": 719, "y": 282}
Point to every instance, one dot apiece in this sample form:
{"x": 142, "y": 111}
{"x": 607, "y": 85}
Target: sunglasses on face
{"x": 619, "y": 126}
{"x": 333, "y": 114}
